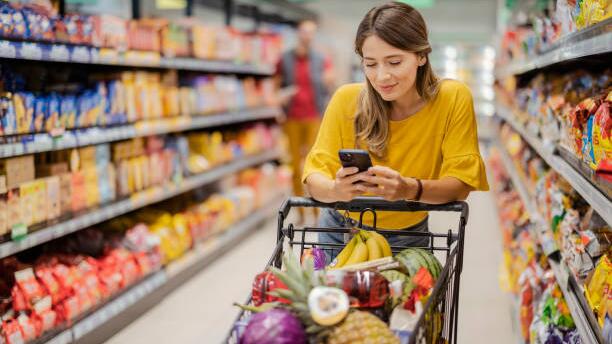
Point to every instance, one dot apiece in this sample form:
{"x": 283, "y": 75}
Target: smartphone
{"x": 355, "y": 158}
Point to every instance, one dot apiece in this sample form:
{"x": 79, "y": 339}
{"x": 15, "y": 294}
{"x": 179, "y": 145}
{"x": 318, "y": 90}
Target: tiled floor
{"x": 201, "y": 311}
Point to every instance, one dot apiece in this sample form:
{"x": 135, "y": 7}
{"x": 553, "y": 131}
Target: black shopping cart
{"x": 438, "y": 322}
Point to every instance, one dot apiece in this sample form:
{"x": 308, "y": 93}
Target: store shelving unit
{"x": 591, "y": 41}
{"x": 44, "y": 142}
{"x": 136, "y": 201}
{"x": 45, "y": 52}
{"x": 581, "y": 313}
{"x": 102, "y": 323}
{"x": 583, "y": 186}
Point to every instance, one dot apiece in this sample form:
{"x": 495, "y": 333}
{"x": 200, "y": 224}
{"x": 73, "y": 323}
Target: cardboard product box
{"x": 92, "y": 191}
{"x": 78, "y": 194}
{"x": 27, "y": 200}
{"x": 40, "y": 201}
{"x": 17, "y": 170}
{"x": 13, "y": 208}
{"x": 53, "y": 203}
{"x": 65, "y": 194}
{"x": 87, "y": 156}
{"x": 53, "y": 169}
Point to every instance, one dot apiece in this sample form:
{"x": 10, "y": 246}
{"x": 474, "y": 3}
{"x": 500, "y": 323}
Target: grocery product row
{"x": 54, "y": 286}
{"x": 103, "y": 181}
{"x": 553, "y": 33}
{"x": 541, "y": 312}
{"x": 561, "y": 221}
{"x": 572, "y": 112}
{"x": 30, "y": 106}
{"x": 145, "y": 42}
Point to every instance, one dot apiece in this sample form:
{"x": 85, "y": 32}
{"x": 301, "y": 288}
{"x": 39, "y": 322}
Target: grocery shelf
{"x": 44, "y": 142}
{"x": 124, "y": 308}
{"x": 583, "y": 316}
{"x": 594, "y": 40}
{"x": 47, "y": 52}
{"x": 582, "y": 185}
{"x": 136, "y": 201}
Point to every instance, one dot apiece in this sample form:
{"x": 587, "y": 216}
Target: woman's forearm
{"x": 320, "y": 188}
{"x": 444, "y": 190}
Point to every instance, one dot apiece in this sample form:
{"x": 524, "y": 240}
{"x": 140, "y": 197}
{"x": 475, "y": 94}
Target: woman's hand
{"x": 389, "y": 184}
{"x": 346, "y": 185}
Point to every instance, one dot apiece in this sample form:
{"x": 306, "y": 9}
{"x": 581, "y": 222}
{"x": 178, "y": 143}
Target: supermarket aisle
{"x": 201, "y": 309}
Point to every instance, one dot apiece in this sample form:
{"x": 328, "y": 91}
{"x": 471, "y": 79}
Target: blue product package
{"x": 20, "y": 27}
{"x": 99, "y": 104}
{"x": 9, "y": 121}
{"x": 588, "y": 155}
{"x": 28, "y": 102}
{"x": 82, "y": 110}
{"x": 33, "y": 22}
{"x": 40, "y": 108}
{"x": 6, "y": 20}
{"x": 52, "y": 121}
{"x": 68, "y": 111}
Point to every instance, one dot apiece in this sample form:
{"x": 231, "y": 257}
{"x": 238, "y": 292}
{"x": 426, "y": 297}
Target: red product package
{"x": 45, "y": 318}
{"x": 27, "y": 327}
{"x": 65, "y": 276}
{"x": 11, "y": 332}
{"x": 130, "y": 272}
{"x": 29, "y": 286}
{"x": 69, "y": 308}
{"x": 19, "y": 300}
{"x": 46, "y": 278}
{"x": 144, "y": 264}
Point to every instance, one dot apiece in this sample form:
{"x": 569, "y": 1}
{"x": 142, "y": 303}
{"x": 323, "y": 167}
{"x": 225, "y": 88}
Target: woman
{"x": 420, "y": 131}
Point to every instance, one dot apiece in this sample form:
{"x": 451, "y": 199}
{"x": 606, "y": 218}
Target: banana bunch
{"x": 364, "y": 246}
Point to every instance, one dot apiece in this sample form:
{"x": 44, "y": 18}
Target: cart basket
{"x": 438, "y": 322}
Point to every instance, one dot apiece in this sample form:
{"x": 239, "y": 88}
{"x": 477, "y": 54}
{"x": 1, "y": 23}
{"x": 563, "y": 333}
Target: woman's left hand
{"x": 389, "y": 184}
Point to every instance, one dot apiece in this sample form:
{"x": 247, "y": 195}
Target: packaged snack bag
{"x": 11, "y": 332}
{"x": 40, "y": 110}
{"x": 599, "y": 289}
{"x": 602, "y": 132}
{"x": 8, "y": 119}
{"x": 68, "y": 112}
{"x": 52, "y": 120}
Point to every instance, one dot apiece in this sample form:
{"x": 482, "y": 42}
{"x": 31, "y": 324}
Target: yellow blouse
{"x": 440, "y": 140}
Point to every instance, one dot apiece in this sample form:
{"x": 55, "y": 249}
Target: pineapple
{"x": 299, "y": 284}
{"x": 362, "y": 327}
{"x": 357, "y": 327}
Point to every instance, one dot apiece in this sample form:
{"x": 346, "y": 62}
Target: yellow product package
{"x": 599, "y": 289}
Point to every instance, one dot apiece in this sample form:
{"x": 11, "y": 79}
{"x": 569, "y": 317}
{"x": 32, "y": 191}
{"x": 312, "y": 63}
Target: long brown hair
{"x": 403, "y": 27}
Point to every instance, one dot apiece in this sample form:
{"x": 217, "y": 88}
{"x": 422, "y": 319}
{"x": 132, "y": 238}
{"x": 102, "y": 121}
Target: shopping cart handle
{"x": 376, "y": 203}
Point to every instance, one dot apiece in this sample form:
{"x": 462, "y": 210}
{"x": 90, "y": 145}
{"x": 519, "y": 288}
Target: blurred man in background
{"x": 305, "y": 78}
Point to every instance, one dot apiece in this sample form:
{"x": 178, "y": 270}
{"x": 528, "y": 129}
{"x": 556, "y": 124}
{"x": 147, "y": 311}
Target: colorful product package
{"x": 602, "y": 132}
{"x": 6, "y": 19}
{"x": 40, "y": 110}
{"x": 599, "y": 289}
{"x": 23, "y": 104}
{"x": 68, "y": 112}
{"x": 11, "y": 332}
{"x": 8, "y": 119}
{"x": 52, "y": 119}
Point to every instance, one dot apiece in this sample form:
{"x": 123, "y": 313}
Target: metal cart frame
{"x": 438, "y": 322}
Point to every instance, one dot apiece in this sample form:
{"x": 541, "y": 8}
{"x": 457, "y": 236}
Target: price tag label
{"x": 59, "y": 53}
{"x": 7, "y": 49}
{"x": 19, "y": 231}
{"x": 80, "y": 55}
{"x": 30, "y": 51}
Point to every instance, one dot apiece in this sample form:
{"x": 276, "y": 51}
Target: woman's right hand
{"x": 346, "y": 186}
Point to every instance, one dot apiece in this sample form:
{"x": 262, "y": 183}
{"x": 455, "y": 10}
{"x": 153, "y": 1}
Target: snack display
{"x": 548, "y": 23}
{"x": 147, "y": 37}
{"x": 579, "y": 233}
{"x": 127, "y": 97}
{"x": 46, "y": 187}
